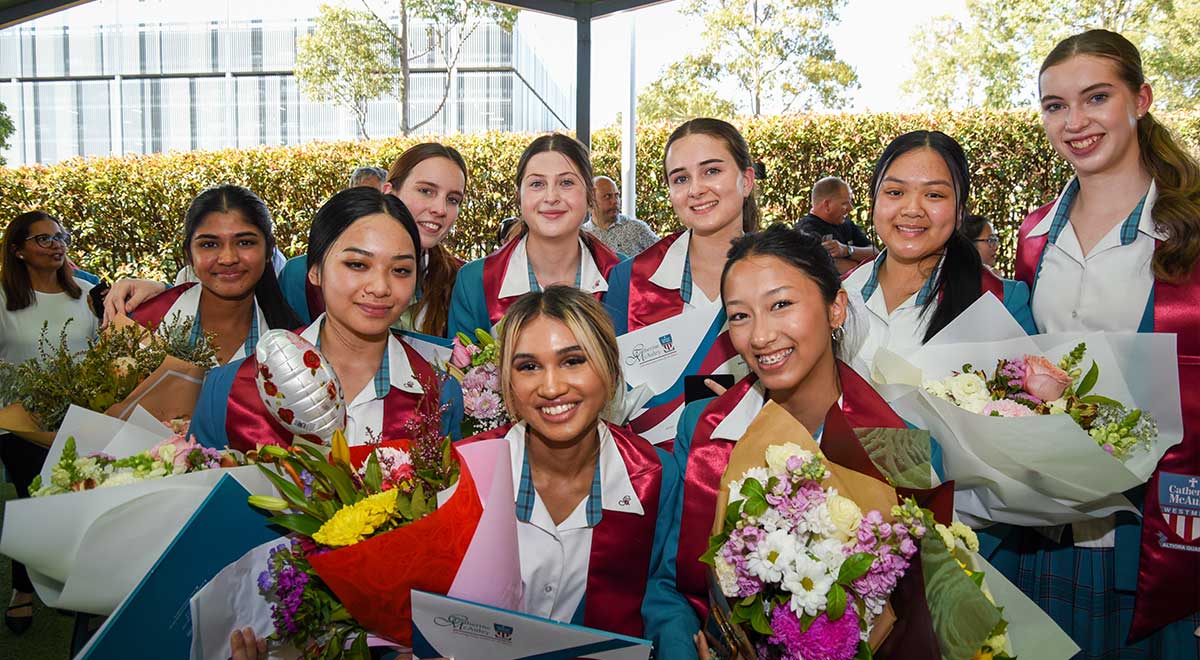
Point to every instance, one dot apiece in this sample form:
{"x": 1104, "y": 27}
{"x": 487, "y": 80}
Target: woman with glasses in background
{"x": 39, "y": 289}
{"x": 984, "y": 237}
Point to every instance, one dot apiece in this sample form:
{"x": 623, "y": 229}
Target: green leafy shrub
{"x": 127, "y": 212}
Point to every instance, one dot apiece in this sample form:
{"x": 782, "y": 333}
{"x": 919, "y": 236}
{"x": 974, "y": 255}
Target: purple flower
{"x": 264, "y": 582}
{"x": 748, "y": 585}
{"x": 824, "y": 639}
{"x": 307, "y": 477}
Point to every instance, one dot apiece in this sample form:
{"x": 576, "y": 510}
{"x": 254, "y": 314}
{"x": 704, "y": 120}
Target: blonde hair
{"x": 583, "y": 315}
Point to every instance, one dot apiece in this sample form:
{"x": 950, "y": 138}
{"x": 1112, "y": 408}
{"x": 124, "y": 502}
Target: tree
{"x": 348, "y": 59}
{"x": 354, "y": 56}
{"x": 6, "y": 129}
{"x": 992, "y": 59}
{"x": 676, "y": 97}
{"x": 777, "y": 51}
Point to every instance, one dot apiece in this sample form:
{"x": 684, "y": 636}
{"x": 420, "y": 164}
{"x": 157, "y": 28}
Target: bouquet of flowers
{"x": 810, "y": 575}
{"x": 159, "y": 369}
{"x": 1034, "y": 385}
{"x": 811, "y": 570}
{"x": 372, "y": 522}
{"x": 476, "y": 367}
{"x": 177, "y": 454}
{"x": 109, "y": 500}
{"x": 1032, "y": 443}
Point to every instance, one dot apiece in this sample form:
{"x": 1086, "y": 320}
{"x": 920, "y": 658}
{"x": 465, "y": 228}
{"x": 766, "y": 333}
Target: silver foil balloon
{"x": 298, "y": 386}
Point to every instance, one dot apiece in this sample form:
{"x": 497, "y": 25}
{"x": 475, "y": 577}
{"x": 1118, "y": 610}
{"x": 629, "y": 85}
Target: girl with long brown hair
{"x": 1117, "y": 251}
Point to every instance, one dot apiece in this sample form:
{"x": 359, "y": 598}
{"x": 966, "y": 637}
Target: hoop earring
{"x": 838, "y": 334}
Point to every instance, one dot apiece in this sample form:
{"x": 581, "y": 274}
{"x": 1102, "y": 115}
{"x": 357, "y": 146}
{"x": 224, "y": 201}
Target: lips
{"x": 705, "y": 207}
{"x": 558, "y": 411}
{"x": 1084, "y": 145}
{"x": 910, "y": 230}
{"x": 230, "y": 275}
{"x": 430, "y": 227}
{"x": 774, "y": 359}
{"x": 374, "y": 311}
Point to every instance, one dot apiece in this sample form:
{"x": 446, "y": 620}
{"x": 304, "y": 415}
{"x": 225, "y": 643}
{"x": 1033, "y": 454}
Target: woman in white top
{"x": 928, "y": 272}
{"x": 38, "y": 290}
{"x": 1117, "y": 252}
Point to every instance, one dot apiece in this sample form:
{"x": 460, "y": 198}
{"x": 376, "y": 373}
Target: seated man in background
{"x": 845, "y": 241}
{"x": 622, "y": 234}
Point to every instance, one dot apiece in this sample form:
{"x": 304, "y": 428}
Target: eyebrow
{"x": 1085, "y": 90}
{"x": 702, "y": 163}
{"x": 368, "y": 253}
{"x": 240, "y": 234}
{"x": 933, "y": 182}
{"x": 560, "y": 352}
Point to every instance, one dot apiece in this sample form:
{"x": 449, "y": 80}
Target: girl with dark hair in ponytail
{"x": 1117, "y": 251}
{"x": 675, "y": 284}
{"x": 928, "y": 272}
{"x": 363, "y": 254}
{"x": 228, "y": 243}
{"x": 554, "y": 192}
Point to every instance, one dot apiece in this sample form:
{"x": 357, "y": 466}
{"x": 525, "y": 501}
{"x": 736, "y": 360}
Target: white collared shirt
{"x": 734, "y": 426}
{"x": 187, "y": 306}
{"x": 870, "y": 327}
{"x": 516, "y": 276}
{"x": 669, "y": 275}
{"x": 1106, "y": 290}
{"x": 555, "y": 558}
{"x": 364, "y": 413}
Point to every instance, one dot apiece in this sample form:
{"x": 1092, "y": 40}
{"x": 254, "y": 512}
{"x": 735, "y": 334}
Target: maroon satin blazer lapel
{"x": 619, "y": 564}
{"x": 648, "y": 302}
{"x": 152, "y": 312}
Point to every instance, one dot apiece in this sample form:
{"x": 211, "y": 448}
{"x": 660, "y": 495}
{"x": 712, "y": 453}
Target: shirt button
{"x": 1075, "y": 314}
{"x": 549, "y": 588}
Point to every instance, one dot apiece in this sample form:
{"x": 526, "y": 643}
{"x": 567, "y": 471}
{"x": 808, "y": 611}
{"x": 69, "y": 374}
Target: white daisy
{"x": 809, "y": 582}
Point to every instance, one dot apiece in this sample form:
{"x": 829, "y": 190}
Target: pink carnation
{"x": 824, "y": 639}
{"x": 1006, "y": 408}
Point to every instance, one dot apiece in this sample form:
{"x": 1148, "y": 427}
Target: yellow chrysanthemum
{"x": 353, "y": 523}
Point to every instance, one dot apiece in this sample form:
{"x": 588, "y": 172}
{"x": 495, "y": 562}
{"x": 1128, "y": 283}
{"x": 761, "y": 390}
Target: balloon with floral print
{"x": 298, "y": 386}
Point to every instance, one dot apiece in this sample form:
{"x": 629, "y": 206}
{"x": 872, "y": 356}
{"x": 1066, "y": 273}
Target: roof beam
{"x": 12, "y": 13}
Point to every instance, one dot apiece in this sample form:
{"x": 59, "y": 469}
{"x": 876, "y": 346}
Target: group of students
{"x": 778, "y": 316}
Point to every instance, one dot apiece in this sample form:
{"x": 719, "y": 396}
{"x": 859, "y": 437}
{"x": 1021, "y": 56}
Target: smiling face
{"x": 553, "y": 384}
{"x": 229, "y": 254}
{"x": 433, "y": 192}
{"x": 915, "y": 210}
{"x": 779, "y": 321}
{"x": 706, "y": 187}
{"x": 1090, "y": 114}
{"x": 368, "y": 275}
{"x": 554, "y": 196}
{"x": 43, "y": 259}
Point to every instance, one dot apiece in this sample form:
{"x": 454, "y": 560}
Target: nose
{"x": 379, "y": 283}
{"x": 228, "y": 255}
{"x": 553, "y": 385}
{"x": 438, "y": 207}
{"x": 762, "y": 332}
{"x": 1076, "y": 118}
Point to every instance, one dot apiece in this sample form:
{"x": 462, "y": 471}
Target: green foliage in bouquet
{"x": 111, "y": 367}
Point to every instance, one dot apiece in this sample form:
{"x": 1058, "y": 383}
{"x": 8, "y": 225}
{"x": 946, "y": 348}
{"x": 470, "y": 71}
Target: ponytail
{"x": 1177, "y": 210}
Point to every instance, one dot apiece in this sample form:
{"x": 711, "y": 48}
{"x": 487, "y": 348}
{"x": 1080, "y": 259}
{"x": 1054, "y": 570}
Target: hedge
{"x": 126, "y": 213}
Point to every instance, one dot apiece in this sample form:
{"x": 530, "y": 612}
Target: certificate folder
{"x": 452, "y": 628}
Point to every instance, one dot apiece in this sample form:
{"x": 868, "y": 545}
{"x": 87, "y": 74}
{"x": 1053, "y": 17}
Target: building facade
{"x": 119, "y": 78}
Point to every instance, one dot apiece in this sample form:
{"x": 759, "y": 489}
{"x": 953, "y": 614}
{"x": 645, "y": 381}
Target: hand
{"x": 127, "y": 294}
{"x": 714, "y": 386}
{"x": 702, "y": 651}
{"x": 247, "y": 646}
{"x": 835, "y": 248}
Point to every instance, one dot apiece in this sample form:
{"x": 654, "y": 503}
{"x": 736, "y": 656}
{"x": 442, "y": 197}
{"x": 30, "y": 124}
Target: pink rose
{"x": 460, "y": 357}
{"x": 181, "y": 448}
{"x": 1044, "y": 379}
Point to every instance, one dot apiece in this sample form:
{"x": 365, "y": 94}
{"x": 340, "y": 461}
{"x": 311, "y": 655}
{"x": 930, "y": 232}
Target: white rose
{"x": 845, "y": 514}
{"x": 122, "y": 478}
{"x": 964, "y": 387}
{"x": 975, "y": 404}
{"x": 726, "y": 577}
{"x": 778, "y": 455}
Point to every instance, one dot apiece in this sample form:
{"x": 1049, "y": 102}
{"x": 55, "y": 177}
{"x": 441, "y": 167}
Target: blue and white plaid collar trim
{"x": 872, "y": 283}
{"x": 611, "y": 486}
{"x": 1138, "y": 220}
{"x": 251, "y": 337}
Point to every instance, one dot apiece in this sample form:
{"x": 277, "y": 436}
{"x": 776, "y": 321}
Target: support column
{"x": 583, "y": 74}
{"x": 629, "y": 132}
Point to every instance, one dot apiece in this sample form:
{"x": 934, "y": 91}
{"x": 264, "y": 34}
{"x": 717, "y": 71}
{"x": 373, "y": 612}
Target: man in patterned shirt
{"x": 622, "y": 234}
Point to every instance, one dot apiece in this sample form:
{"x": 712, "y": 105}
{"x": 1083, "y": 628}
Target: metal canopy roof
{"x": 582, "y": 11}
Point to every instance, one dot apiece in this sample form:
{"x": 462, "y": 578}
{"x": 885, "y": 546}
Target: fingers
{"x": 702, "y": 650}
{"x": 713, "y": 385}
{"x": 245, "y": 645}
